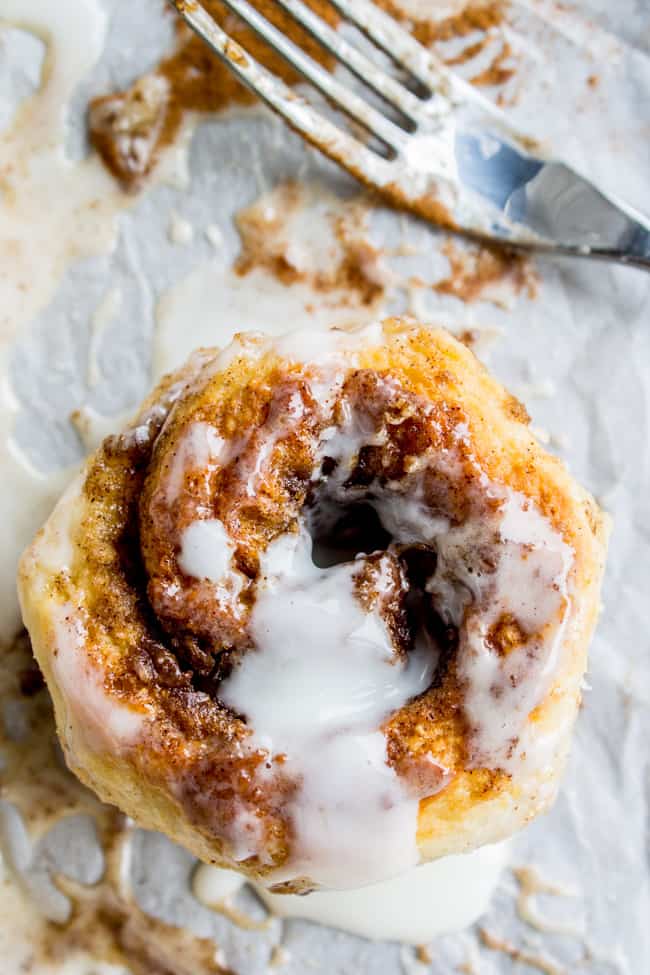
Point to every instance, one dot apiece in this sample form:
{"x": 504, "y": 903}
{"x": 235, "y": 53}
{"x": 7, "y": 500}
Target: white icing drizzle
{"x": 321, "y": 347}
{"x": 41, "y": 188}
{"x": 218, "y": 302}
{"x": 105, "y": 723}
{"x": 317, "y": 689}
{"x": 528, "y": 584}
{"x": 526, "y": 581}
{"x": 201, "y": 448}
{"x": 206, "y": 550}
{"x": 214, "y": 235}
{"x": 431, "y": 899}
{"x": 434, "y": 898}
{"x": 180, "y": 231}
{"x": 212, "y": 885}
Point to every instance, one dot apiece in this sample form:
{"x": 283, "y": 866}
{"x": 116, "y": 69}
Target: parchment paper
{"x": 579, "y": 356}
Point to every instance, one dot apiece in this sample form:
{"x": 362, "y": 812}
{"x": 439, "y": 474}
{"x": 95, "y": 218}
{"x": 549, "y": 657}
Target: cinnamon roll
{"x": 322, "y": 611}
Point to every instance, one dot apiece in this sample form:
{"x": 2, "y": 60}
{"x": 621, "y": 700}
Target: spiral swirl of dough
{"x": 322, "y": 611}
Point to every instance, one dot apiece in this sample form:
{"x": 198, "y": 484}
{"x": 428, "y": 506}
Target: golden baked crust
{"x": 99, "y": 575}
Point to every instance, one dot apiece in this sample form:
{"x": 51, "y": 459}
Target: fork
{"x": 451, "y": 158}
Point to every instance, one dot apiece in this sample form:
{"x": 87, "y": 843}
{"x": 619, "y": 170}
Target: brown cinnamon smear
{"x": 475, "y": 18}
{"x": 475, "y": 268}
{"x": 129, "y": 129}
{"x": 427, "y": 207}
{"x": 265, "y": 231}
{"x": 108, "y": 924}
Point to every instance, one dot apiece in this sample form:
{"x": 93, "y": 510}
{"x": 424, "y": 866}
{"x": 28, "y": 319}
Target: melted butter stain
{"x": 53, "y": 210}
{"x": 527, "y": 957}
{"x": 41, "y": 186}
{"x": 531, "y": 884}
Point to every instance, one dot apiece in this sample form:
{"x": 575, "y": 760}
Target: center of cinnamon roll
{"x": 350, "y": 531}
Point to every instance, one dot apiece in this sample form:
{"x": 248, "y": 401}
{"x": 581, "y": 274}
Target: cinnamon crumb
{"x": 279, "y": 956}
{"x": 517, "y": 410}
{"x": 506, "y": 635}
{"x": 423, "y": 954}
{"x": 469, "y": 337}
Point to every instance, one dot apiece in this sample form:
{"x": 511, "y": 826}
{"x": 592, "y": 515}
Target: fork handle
{"x": 573, "y": 217}
{"x": 638, "y": 254}
{"x": 635, "y": 253}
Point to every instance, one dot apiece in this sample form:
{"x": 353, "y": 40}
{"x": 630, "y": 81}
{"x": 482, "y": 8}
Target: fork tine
{"x": 347, "y": 54}
{"x": 395, "y": 41}
{"x": 353, "y": 105}
{"x": 340, "y": 146}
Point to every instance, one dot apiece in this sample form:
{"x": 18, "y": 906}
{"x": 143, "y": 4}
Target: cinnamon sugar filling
{"x": 258, "y": 494}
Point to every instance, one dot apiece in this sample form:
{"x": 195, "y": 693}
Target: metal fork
{"x": 454, "y": 159}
